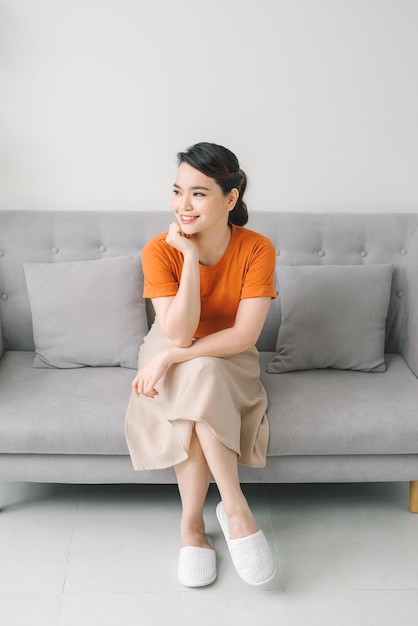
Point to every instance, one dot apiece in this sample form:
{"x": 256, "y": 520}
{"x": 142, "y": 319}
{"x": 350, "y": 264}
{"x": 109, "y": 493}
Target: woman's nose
{"x": 185, "y": 203}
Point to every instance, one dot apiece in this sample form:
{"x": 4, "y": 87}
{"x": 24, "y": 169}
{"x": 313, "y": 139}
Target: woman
{"x": 197, "y": 402}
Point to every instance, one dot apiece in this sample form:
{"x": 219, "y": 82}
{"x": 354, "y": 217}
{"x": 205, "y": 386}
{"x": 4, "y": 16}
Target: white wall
{"x": 318, "y": 98}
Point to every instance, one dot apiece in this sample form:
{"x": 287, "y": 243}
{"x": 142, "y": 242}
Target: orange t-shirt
{"x": 246, "y": 270}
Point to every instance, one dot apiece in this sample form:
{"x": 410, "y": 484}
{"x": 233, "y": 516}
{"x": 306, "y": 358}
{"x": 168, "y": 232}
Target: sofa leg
{"x": 413, "y": 496}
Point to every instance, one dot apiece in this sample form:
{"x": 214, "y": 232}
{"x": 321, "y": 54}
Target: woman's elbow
{"x": 180, "y": 340}
{"x": 248, "y": 345}
{"x": 182, "y": 343}
{"x": 248, "y": 340}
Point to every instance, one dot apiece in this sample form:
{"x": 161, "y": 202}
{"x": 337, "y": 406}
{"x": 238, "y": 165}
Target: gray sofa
{"x": 328, "y": 424}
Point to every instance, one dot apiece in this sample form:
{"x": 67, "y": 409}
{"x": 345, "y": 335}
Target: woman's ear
{"x": 232, "y": 198}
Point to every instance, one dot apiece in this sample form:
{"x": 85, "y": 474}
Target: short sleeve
{"x": 161, "y": 269}
{"x": 259, "y": 277}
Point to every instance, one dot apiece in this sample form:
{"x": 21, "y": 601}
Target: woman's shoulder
{"x": 251, "y": 238}
{"x": 156, "y": 244}
{"x": 158, "y": 250}
{"x": 156, "y": 241}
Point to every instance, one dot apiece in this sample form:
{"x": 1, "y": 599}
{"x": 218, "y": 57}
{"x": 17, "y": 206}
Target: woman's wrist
{"x": 191, "y": 255}
{"x": 175, "y": 354}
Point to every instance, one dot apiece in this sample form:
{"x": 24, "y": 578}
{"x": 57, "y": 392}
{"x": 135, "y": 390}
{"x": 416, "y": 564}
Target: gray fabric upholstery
{"x": 1, "y": 338}
{"x": 332, "y": 316}
{"x": 315, "y": 412}
{"x": 300, "y": 239}
{"x": 48, "y": 237}
{"x": 352, "y": 239}
{"x": 326, "y": 425}
{"x": 102, "y": 469}
{"x": 54, "y": 411}
{"x": 409, "y": 314}
{"x": 87, "y": 313}
{"x": 343, "y": 412}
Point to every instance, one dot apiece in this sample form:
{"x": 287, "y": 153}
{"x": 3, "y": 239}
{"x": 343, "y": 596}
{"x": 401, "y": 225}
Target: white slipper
{"x": 251, "y": 555}
{"x": 197, "y": 566}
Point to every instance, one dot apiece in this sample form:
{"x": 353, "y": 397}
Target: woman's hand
{"x": 148, "y": 376}
{"x": 178, "y": 240}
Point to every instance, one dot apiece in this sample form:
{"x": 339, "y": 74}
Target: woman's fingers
{"x": 143, "y": 388}
{"x": 148, "y": 376}
{"x": 148, "y": 389}
{"x": 177, "y": 239}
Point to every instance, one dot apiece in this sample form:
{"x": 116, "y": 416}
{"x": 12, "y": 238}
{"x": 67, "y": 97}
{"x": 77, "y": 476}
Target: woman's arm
{"x": 251, "y": 315}
{"x": 179, "y": 315}
{"x": 249, "y": 321}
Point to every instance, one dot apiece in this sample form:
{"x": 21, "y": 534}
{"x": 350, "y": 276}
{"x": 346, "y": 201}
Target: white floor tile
{"x": 29, "y": 609}
{"x": 344, "y": 537}
{"x": 126, "y": 540}
{"x": 357, "y": 608}
{"x": 108, "y": 554}
{"x": 204, "y": 607}
{"x": 35, "y": 538}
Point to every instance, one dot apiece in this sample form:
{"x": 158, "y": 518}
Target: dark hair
{"x": 222, "y": 165}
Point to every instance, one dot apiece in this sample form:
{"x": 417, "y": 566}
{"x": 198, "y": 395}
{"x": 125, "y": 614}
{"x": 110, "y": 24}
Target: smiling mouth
{"x": 188, "y": 219}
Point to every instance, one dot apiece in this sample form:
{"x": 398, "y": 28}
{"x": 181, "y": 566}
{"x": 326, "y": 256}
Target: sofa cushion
{"x": 57, "y": 411}
{"x": 336, "y": 412}
{"x": 333, "y": 316}
{"x": 87, "y": 313}
{"x": 320, "y": 412}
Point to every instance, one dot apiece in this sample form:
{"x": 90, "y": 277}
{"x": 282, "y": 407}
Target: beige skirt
{"x": 224, "y": 393}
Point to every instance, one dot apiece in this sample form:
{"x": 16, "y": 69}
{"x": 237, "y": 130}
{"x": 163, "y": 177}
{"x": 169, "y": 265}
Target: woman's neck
{"x": 212, "y": 247}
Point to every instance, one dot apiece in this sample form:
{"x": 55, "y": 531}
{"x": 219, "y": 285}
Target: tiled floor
{"x": 107, "y": 555}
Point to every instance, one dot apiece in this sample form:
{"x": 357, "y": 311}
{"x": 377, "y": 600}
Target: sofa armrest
{"x": 1, "y": 338}
{"x": 410, "y": 347}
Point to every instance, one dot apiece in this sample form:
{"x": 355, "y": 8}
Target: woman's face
{"x": 199, "y": 203}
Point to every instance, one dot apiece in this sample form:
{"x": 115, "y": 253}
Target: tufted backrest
{"x": 355, "y": 239}
{"x": 300, "y": 239}
{"x": 53, "y": 237}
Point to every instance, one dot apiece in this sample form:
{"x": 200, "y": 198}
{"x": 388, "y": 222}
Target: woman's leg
{"x": 223, "y": 465}
{"x": 193, "y": 478}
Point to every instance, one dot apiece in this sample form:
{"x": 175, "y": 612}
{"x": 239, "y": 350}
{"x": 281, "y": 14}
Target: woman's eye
{"x": 198, "y": 194}
{"x": 176, "y": 192}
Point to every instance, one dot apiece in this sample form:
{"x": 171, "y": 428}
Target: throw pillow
{"x": 87, "y": 313}
{"x": 333, "y": 316}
